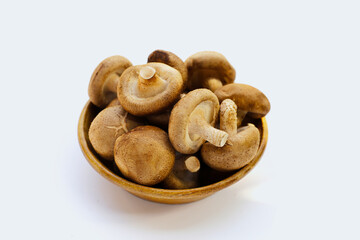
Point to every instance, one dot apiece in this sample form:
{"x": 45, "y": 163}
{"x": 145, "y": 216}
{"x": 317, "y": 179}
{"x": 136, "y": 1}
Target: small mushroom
{"x": 107, "y": 126}
{"x": 184, "y": 174}
{"x": 150, "y": 88}
{"x": 249, "y": 100}
{"x": 192, "y": 122}
{"x": 104, "y": 80}
{"x": 145, "y": 155}
{"x": 170, "y": 59}
{"x": 210, "y": 70}
{"x": 242, "y": 144}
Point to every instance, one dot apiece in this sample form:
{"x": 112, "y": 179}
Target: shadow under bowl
{"x": 211, "y": 181}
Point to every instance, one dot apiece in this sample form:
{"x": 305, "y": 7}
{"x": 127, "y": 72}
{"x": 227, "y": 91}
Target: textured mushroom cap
{"x": 107, "y": 126}
{"x": 246, "y": 97}
{"x": 107, "y": 72}
{"x": 170, "y": 59}
{"x": 145, "y": 155}
{"x": 208, "y": 64}
{"x": 182, "y": 113}
{"x": 140, "y": 106}
{"x": 239, "y": 151}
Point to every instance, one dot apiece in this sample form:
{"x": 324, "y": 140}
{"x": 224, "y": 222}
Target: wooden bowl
{"x": 210, "y": 182}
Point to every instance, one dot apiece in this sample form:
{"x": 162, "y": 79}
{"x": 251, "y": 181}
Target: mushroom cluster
{"x": 167, "y": 122}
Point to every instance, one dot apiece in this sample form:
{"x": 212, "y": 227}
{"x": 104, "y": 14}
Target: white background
{"x": 304, "y": 55}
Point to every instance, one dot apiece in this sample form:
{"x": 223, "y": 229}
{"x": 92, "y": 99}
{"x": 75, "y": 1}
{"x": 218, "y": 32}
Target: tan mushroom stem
{"x": 200, "y": 127}
{"x": 192, "y": 164}
{"x": 111, "y": 83}
{"x": 150, "y": 84}
{"x": 228, "y": 117}
{"x": 184, "y": 174}
{"x": 212, "y": 83}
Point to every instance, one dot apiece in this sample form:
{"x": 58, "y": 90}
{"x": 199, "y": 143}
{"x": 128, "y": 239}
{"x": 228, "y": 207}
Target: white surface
{"x": 304, "y": 55}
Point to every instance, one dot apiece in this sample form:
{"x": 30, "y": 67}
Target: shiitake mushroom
{"x": 146, "y": 154}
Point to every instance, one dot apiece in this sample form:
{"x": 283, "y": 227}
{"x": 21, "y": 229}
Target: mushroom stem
{"x": 150, "y": 84}
{"x": 202, "y": 128}
{"x": 111, "y": 83}
{"x": 147, "y": 73}
{"x": 228, "y": 117}
{"x": 212, "y": 83}
{"x": 240, "y": 116}
{"x": 184, "y": 173}
{"x": 192, "y": 164}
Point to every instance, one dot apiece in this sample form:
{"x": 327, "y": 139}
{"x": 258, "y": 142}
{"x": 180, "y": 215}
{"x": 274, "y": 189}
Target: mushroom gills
{"x": 104, "y": 80}
{"x": 240, "y": 115}
{"x": 199, "y": 126}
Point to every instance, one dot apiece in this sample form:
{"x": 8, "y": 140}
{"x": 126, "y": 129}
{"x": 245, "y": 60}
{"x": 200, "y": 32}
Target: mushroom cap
{"x": 246, "y": 97}
{"x": 208, "y": 64}
{"x": 141, "y": 106}
{"x": 107, "y": 126}
{"x": 110, "y": 68}
{"x": 170, "y": 59}
{"x": 199, "y": 99}
{"x": 145, "y": 155}
{"x": 239, "y": 151}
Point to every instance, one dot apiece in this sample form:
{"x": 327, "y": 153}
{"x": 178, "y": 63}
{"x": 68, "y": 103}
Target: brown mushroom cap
{"x": 103, "y": 83}
{"x": 107, "y": 126}
{"x": 170, "y": 59}
{"x": 246, "y": 97}
{"x": 184, "y": 174}
{"x": 192, "y": 122}
{"x": 149, "y": 88}
{"x": 208, "y": 65}
{"x": 145, "y": 155}
{"x": 239, "y": 151}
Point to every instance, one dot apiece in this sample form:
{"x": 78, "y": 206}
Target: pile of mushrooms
{"x": 159, "y": 122}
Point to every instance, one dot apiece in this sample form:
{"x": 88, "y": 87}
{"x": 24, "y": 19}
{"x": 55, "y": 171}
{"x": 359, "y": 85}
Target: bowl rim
{"x": 131, "y": 186}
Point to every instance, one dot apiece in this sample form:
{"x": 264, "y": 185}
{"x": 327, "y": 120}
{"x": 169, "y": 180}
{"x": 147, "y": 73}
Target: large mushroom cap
{"x": 170, "y": 59}
{"x": 149, "y": 88}
{"x": 145, "y": 155}
{"x": 208, "y": 64}
{"x": 246, "y": 97}
{"x": 199, "y": 104}
{"x": 103, "y": 82}
{"x": 239, "y": 151}
{"x": 107, "y": 126}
